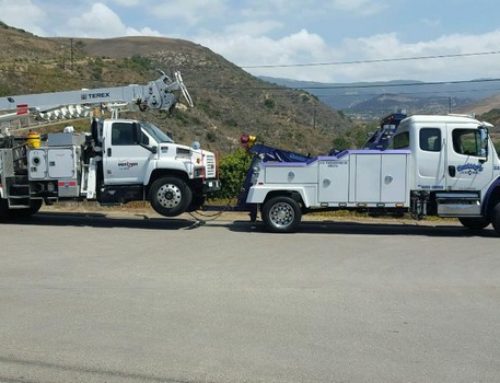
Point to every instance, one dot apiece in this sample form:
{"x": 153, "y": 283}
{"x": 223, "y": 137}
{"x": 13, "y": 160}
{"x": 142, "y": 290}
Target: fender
{"x": 488, "y": 196}
{"x": 166, "y": 165}
{"x": 1, "y": 191}
{"x": 258, "y": 193}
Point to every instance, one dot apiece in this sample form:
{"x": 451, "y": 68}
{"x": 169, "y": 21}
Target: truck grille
{"x": 210, "y": 165}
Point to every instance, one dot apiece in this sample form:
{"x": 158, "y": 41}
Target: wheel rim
{"x": 282, "y": 215}
{"x": 169, "y": 196}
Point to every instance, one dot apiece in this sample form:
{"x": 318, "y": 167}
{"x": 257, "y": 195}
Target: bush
{"x": 269, "y": 103}
{"x": 341, "y": 143}
{"x": 211, "y": 137}
{"x": 233, "y": 169}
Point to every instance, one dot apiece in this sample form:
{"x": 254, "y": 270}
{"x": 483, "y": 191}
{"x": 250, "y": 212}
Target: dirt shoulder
{"x": 143, "y": 211}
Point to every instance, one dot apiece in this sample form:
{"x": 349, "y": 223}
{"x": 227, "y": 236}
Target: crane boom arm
{"x": 157, "y": 94}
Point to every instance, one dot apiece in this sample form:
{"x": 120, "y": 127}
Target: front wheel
{"x": 474, "y": 223}
{"x": 170, "y": 196}
{"x": 281, "y": 214}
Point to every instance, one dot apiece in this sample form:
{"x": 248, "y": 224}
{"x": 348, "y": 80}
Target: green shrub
{"x": 269, "y": 103}
{"x": 233, "y": 169}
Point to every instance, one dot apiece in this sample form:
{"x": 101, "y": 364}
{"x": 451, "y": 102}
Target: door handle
{"x": 452, "y": 171}
{"x": 109, "y": 152}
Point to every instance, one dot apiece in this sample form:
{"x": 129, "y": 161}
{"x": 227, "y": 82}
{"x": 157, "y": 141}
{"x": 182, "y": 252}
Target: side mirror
{"x": 483, "y": 142}
{"x": 152, "y": 149}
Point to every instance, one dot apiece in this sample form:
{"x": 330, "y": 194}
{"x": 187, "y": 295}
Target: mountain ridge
{"x": 362, "y": 98}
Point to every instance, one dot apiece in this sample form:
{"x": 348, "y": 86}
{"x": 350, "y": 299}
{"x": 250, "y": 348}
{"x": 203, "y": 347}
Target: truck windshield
{"x": 156, "y": 133}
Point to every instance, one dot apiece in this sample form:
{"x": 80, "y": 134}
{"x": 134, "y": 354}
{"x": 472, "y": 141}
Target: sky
{"x": 282, "y": 32}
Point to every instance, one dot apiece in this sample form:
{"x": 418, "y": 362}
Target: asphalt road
{"x": 89, "y": 299}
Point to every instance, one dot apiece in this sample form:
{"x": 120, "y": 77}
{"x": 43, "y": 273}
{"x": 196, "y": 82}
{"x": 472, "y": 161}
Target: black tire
{"x": 6, "y": 213}
{"x": 474, "y": 223}
{"x": 4, "y": 209}
{"x": 495, "y": 218}
{"x": 26, "y": 213}
{"x": 281, "y": 214}
{"x": 170, "y": 196}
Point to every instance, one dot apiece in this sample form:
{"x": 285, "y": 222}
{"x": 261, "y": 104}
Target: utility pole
{"x": 71, "y": 54}
{"x": 314, "y": 116}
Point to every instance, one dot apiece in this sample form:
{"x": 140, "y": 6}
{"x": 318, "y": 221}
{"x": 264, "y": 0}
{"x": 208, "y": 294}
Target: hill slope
{"x": 228, "y": 101}
{"x": 482, "y": 106}
{"x": 375, "y": 99}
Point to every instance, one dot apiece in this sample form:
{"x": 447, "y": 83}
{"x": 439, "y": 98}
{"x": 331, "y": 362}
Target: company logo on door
{"x": 126, "y": 165}
{"x": 470, "y": 169}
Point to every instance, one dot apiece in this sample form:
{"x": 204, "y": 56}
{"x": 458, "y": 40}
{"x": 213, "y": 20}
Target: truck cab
{"x": 450, "y": 153}
{"x": 137, "y": 154}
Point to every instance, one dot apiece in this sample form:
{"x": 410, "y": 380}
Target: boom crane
{"x": 157, "y": 94}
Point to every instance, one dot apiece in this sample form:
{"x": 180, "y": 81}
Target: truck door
{"x": 431, "y": 157}
{"x": 469, "y": 165}
{"x": 124, "y": 160}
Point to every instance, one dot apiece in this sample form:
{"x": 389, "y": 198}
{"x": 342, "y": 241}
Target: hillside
{"x": 228, "y": 101}
{"x": 389, "y": 103}
{"x": 482, "y": 106}
{"x": 375, "y": 99}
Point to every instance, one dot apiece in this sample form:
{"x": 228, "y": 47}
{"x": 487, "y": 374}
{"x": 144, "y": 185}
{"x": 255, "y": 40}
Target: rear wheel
{"x": 4, "y": 209}
{"x": 23, "y": 213}
{"x": 495, "y": 218}
{"x": 281, "y": 214}
{"x": 474, "y": 223}
{"x": 170, "y": 196}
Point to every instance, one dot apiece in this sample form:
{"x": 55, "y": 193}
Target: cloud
{"x": 431, "y": 22}
{"x": 306, "y": 47}
{"x": 363, "y": 7}
{"x": 260, "y": 8}
{"x": 253, "y": 28}
{"x": 128, "y": 3}
{"x": 247, "y": 49}
{"x": 146, "y": 31}
{"x": 189, "y": 11}
{"x": 23, "y": 14}
{"x": 101, "y": 22}
{"x": 390, "y": 45}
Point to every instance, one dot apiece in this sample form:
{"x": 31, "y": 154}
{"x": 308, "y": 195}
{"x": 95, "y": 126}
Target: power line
{"x": 444, "y": 92}
{"x": 282, "y": 88}
{"x": 373, "y": 61}
{"x": 411, "y": 93}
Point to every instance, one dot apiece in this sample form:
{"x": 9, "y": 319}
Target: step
{"x": 19, "y": 203}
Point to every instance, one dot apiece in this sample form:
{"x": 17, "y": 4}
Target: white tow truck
{"x": 118, "y": 161}
{"x": 444, "y": 166}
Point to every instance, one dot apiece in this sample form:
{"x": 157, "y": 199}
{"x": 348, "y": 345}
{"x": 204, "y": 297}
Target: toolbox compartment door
{"x": 61, "y": 163}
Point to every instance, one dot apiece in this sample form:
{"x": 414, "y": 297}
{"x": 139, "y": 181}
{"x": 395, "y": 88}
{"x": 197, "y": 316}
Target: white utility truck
{"x": 118, "y": 161}
{"x": 442, "y": 166}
